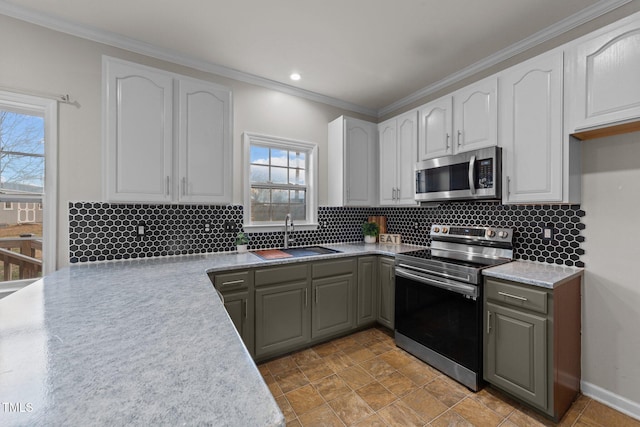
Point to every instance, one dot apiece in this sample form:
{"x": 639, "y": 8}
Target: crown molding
{"x": 115, "y": 40}
{"x": 132, "y": 45}
{"x": 561, "y": 27}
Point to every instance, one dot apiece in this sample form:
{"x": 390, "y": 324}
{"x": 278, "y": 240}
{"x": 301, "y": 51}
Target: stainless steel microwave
{"x": 471, "y": 175}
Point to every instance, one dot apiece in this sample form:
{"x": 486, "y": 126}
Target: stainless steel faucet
{"x": 287, "y": 221}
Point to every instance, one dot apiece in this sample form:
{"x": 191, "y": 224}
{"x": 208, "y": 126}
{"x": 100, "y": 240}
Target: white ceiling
{"x": 365, "y": 55}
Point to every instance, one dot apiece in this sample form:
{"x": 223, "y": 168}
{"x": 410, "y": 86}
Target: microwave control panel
{"x": 485, "y": 173}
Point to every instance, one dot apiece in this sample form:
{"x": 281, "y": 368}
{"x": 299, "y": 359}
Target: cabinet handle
{"x": 504, "y": 294}
{"x": 488, "y": 322}
{"x": 184, "y": 186}
{"x": 231, "y": 283}
{"x": 393, "y": 194}
{"x": 167, "y": 185}
{"x": 246, "y": 310}
{"x": 459, "y": 133}
{"x": 508, "y": 186}
{"x": 397, "y": 194}
{"x": 316, "y": 292}
{"x": 448, "y": 136}
{"x": 305, "y": 298}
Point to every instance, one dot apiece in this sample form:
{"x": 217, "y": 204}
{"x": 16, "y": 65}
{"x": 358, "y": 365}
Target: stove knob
{"x": 445, "y": 230}
{"x": 491, "y": 233}
{"x": 436, "y": 229}
{"x": 503, "y": 234}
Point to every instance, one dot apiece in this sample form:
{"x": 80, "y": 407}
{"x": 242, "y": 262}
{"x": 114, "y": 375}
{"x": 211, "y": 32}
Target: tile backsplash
{"x": 106, "y": 231}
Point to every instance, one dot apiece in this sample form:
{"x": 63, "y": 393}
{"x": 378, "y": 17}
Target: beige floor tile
{"x": 322, "y": 416}
{"x": 291, "y": 380}
{"x": 345, "y": 342}
{"x": 325, "y": 349}
{"x": 273, "y": 385}
{"x": 596, "y": 411}
{"x": 351, "y": 408}
{"x": 569, "y": 418}
{"x": 377, "y": 367}
{"x": 366, "y": 336}
{"x": 378, "y": 347}
{"x": 294, "y": 423}
{"x": 396, "y": 358}
{"x": 304, "y": 399}
{"x": 424, "y": 404}
{"x": 376, "y": 395}
{"x": 476, "y": 413}
{"x": 496, "y": 401}
{"x": 305, "y": 356}
{"x": 285, "y": 407}
{"x": 418, "y": 372}
{"x": 316, "y": 369}
{"x": 281, "y": 364}
{"x": 446, "y": 391}
{"x": 451, "y": 419}
{"x": 355, "y": 376}
{"x": 372, "y": 421}
{"x": 358, "y": 353}
{"x": 398, "y": 384}
{"x": 332, "y": 387}
{"x": 338, "y": 361}
{"x": 398, "y": 414}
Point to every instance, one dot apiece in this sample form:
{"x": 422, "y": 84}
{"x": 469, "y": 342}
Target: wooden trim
{"x": 607, "y": 131}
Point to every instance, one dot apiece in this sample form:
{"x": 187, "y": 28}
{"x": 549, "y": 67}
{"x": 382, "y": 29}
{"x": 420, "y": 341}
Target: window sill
{"x": 278, "y": 228}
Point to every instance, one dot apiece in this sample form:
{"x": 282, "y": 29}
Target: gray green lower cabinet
{"x": 532, "y": 342}
{"x": 283, "y": 308}
{"x": 386, "y": 293}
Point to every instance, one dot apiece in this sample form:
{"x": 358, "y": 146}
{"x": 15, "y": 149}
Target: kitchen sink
{"x": 294, "y": 252}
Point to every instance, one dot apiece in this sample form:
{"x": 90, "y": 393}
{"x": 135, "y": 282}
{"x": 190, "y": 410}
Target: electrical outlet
{"x": 207, "y": 227}
{"x": 141, "y": 229}
{"x": 547, "y": 233}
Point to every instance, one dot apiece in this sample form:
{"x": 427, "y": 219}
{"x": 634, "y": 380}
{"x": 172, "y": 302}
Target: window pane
{"x": 22, "y": 174}
{"x": 278, "y": 212}
{"x": 279, "y": 175}
{"x": 278, "y": 157}
{"x": 297, "y": 176}
{"x": 259, "y": 155}
{"x": 21, "y": 133}
{"x": 280, "y": 196}
{"x": 259, "y": 173}
{"x": 297, "y": 160}
{"x": 260, "y": 204}
{"x": 298, "y": 204}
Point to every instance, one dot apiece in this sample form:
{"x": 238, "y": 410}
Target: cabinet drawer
{"x": 517, "y": 296}
{"x": 333, "y": 268}
{"x": 283, "y": 274}
{"x": 232, "y": 281}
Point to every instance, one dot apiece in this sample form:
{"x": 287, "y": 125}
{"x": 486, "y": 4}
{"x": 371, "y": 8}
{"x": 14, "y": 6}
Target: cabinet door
{"x": 367, "y": 286}
{"x": 139, "y": 135}
{"x": 360, "y": 163}
{"x": 282, "y": 317}
{"x": 516, "y": 353}
{"x": 333, "y": 305}
{"x": 241, "y": 313}
{"x": 531, "y": 130}
{"x": 387, "y": 140}
{"x": 204, "y": 147}
{"x": 603, "y": 77}
{"x": 475, "y": 110}
{"x": 386, "y": 293}
{"x": 434, "y": 133}
{"x": 407, "y": 157}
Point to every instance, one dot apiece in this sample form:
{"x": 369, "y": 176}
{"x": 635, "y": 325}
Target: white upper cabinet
{"x": 139, "y": 135}
{"x": 398, "y": 138}
{"x": 475, "y": 116}
{"x": 353, "y": 160}
{"x": 146, "y": 159}
{"x": 531, "y": 130}
{"x": 204, "y": 154}
{"x": 435, "y": 128}
{"x": 603, "y": 76}
{"x": 464, "y": 121}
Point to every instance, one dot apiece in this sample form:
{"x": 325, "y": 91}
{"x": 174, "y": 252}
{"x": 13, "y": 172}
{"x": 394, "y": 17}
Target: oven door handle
{"x": 458, "y": 288}
{"x": 449, "y": 276}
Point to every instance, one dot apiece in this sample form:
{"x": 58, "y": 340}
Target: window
{"x": 28, "y": 132}
{"x": 280, "y": 178}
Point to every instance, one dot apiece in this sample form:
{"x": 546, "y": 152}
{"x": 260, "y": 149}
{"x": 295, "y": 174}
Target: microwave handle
{"x": 472, "y": 169}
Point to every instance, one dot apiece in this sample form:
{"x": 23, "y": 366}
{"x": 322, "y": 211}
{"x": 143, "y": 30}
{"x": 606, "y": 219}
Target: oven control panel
{"x": 476, "y": 233}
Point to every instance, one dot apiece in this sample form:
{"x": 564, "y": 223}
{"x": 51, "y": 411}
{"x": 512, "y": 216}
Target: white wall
{"x": 47, "y": 61}
{"x": 611, "y": 297}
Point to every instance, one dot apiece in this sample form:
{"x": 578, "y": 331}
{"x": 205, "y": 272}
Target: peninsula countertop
{"x": 534, "y": 273}
{"x": 137, "y": 342}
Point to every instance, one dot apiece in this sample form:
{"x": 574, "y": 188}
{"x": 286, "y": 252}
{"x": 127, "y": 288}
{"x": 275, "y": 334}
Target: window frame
{"x": 311, "y": 150}
{"x": 48, "y": 108}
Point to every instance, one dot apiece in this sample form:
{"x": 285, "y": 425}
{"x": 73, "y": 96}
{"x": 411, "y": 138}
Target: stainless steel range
{"x": 438, "y": 304}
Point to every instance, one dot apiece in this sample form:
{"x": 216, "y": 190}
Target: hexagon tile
{"x": 104, "y": 231}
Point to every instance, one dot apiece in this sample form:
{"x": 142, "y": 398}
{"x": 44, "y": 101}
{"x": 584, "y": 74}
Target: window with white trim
{"x": 280, "y": 178}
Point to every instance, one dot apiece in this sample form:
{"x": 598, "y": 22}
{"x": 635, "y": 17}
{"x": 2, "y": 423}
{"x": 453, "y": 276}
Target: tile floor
{"x": 365, "y": 380}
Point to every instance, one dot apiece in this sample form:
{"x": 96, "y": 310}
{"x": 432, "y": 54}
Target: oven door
{"x": 441, "y": 314}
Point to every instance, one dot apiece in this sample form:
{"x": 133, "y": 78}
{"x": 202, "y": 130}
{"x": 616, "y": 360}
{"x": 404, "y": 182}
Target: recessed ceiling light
{"x": 295, "y": 77}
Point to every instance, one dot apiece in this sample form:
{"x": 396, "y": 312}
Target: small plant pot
{"x": 242, "y": 249}
{"x": 369, "y": 239}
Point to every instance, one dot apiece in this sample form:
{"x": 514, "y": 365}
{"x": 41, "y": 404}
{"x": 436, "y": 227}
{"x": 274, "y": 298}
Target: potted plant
{"x": 241, "y": 242}
{"x": 370, "y": 231}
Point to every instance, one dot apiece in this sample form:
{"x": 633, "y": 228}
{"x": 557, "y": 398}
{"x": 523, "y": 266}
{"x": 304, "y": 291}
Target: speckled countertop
{"x": 534, "y": 273}
{"x": 141, "y": 342}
